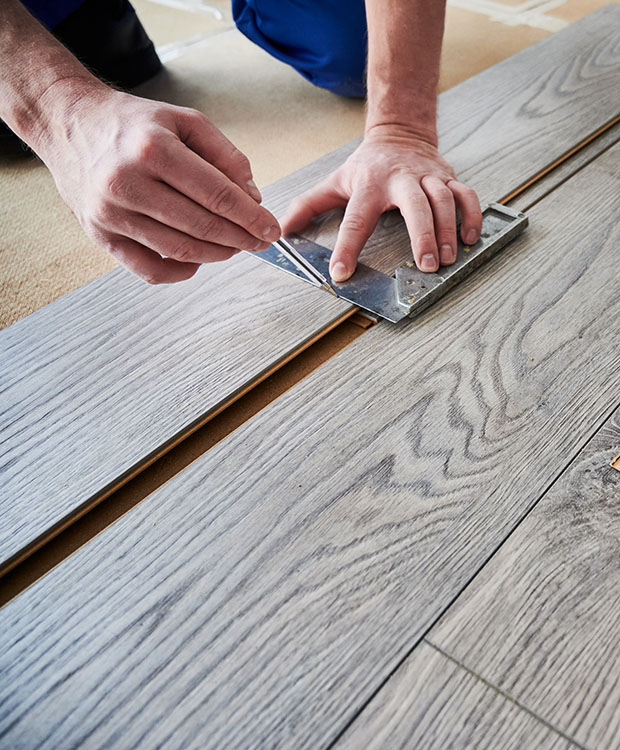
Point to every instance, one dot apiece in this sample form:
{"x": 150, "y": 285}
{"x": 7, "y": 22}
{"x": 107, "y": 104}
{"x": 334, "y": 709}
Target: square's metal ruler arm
{"x": 410, "y": 290}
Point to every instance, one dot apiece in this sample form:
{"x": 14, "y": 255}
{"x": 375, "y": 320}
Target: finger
{"x": 201, "y": 135}
{"x": 171, "y": 208}
{"x": 444, "y": 214}
{"x": 174, "y": 244}
{"x": 316, "y": 201}
{"x": 200, "y": 181}
{"x": 469, "y": 206}
{"x": 148, "y": 265}
{"x": 359, "y": 222}
{"x": 409, "y": 197}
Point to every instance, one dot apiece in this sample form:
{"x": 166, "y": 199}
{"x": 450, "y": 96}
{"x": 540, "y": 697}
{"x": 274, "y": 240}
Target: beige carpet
{"x": 279, "y": 120}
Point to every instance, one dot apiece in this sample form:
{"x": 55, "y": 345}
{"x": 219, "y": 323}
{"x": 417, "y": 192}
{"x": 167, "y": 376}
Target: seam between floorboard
{"x": 470, "y": 580}
{"x": 505, "y": 695}
{"x": 568, "y": 177}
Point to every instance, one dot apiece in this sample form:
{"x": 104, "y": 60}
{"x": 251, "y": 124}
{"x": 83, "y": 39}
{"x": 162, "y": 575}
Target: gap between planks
{"x": 94, "y": 519}
{"x": 351, "y": 316}
{"x": 24, "y": 570}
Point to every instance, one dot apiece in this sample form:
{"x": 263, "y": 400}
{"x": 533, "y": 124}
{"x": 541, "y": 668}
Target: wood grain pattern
{"x": 96, "y": 382}
{"x": 542, "y": 620}
{"x": 505, "y": 125}
{"x": 262, "y": 596}
{"x": 432, "y": 704}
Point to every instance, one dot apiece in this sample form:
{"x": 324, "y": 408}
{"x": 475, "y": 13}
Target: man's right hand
{"x": 156, "y": 185}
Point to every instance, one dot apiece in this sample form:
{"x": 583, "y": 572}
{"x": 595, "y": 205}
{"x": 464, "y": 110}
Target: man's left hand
{"x": 392, "y": 169}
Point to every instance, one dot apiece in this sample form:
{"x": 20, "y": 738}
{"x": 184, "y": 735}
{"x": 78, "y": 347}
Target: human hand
{"x": 156, "y": 185}
{"x": 392, "y": 169}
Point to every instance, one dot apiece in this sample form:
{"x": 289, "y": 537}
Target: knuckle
{"x": 239, "y": 160}
{"x": 118, "y": 184}
{"x": 149, "y": 150}
{"x": 222, "y": 201}
{"x": 426, "y": 240}
{"x": 101, "y": 214}
{"x": 207, "y": 229}
{"x": 184, "y": 251}
{"x": 354, "y": 223}
{"x": 443, "y": 196}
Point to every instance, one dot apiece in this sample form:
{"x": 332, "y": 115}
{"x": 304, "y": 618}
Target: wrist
{"x": 401, "y": 131}
{"x": 408, "y": 112}
{"x": 53, "y": 116}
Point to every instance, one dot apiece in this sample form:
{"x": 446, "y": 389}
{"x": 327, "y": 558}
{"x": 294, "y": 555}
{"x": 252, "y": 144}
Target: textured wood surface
{"x": 542, "y": 620}
{"x": 566, "y": 169}
{"x": 432, "y": 704}
{"x": 263, "y": 595}
{"x": 94, "y": 383}
{"x": 98, "y": 381}
{"x": 506, "y": 124}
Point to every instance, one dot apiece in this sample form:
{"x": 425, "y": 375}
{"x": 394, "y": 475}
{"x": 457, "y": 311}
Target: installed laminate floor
{"x": 165, "y": 359}
{"x": 267, "y": 593}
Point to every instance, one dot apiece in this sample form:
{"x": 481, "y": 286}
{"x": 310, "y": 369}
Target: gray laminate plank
{"x": 432, "y": 704}
{"x": 542, "y": 620}
{"x": 262, "y": 596}
{"x": 96, "y": 382}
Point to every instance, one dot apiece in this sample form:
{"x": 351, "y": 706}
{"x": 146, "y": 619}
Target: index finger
{"x": 318, "y": 200}
{"x": 199, "y": 180}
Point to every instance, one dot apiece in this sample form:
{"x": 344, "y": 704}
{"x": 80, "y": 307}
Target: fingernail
{"x": 254, "y": 190}
{"x": 471, "y": 237}
{"x": 429, "y": 263}
{"x": 339, "y": 271}
{"x": 446, "y": 255}
{"x": 260, "y": 246}
{"x": 272, "y": 233}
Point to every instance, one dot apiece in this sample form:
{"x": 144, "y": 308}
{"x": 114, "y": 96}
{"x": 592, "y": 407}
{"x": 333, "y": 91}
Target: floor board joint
{"x": 504, "y": 695}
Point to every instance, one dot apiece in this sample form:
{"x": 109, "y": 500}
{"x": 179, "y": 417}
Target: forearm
{"x": 404, "y": 50}
{"x": 40, "y": 80}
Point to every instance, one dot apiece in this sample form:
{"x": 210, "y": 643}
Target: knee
{"x": 325, "y": 42}
{"x": 336, "y": 60}
{"x": 342, "y": 72}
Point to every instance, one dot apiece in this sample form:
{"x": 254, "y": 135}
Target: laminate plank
{"x": 98, "y": 381}
{"x": 541, "y": 621}
{"x": 432, "y": 704}
{"x": 70, "y": 433}
{"x": 262, "y": 596}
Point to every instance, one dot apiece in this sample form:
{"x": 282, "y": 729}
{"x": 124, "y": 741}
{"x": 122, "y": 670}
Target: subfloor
{"x": 43, "y": 251}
